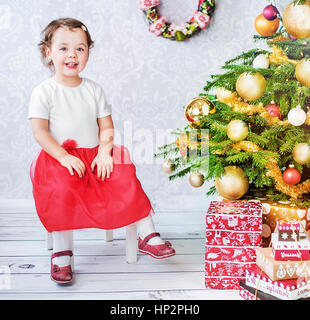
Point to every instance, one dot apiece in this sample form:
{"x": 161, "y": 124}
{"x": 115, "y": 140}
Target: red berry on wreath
{"x": 291, "y": 175}
{"x": 270, "y": 12}
{"x": 274, "y": 110}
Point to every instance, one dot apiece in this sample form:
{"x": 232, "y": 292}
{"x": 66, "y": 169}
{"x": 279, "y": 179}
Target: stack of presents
{"x": 259, "y": 248}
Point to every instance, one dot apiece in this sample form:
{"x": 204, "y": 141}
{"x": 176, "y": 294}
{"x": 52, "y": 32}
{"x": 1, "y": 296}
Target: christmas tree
{"x": 250, "y": 128}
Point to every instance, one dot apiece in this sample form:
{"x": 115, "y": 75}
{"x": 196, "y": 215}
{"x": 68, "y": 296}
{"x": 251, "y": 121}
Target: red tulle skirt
{"x": 66, "y": 202}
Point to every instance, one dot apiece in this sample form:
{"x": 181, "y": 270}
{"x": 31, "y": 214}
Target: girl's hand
{"x": 104, "y": 164}
{"x": 73, "y": 163}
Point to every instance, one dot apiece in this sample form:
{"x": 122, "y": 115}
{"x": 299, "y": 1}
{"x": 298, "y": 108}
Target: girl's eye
{"x": 63, "y": 49}
{"x": 80, "y": 49}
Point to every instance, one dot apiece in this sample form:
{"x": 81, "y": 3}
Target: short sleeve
{"x": 103, "y": 108}
{"x": 38, "y": 105}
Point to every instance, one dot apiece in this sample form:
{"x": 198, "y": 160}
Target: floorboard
{"x": 101, "y": 271}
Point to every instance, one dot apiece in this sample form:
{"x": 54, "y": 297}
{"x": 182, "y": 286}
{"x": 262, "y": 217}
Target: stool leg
{"x": 49, "y": 241}
{"x": 131, "y": 243}
{"x": 108, "y": 235}
{"x": 72, "y": 263}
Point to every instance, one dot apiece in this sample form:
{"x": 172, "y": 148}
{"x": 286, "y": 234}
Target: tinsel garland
{"x": 275, "y": 172}
{"x": 308, "y": 119}
{"x": 238, "y": 105}
{"x": 278, "y": 57}
{"x": 248, "y": 146}
{"x": 293, "y": 191}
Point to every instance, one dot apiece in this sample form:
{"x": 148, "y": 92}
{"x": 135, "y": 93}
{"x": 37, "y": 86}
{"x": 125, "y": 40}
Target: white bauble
{"x": 297, "y": 116}
{"x": 261, "y": 61}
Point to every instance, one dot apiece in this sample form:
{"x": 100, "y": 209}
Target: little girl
{"x": 81, "y": 179}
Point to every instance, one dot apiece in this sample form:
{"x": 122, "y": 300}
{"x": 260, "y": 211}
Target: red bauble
{"x": 274, "y": 110}
{"x": 270, "y": 12}
{"x": 291, "y": 176}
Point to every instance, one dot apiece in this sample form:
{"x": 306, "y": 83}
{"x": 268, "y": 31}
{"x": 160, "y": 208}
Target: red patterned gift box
{"x": 250, "y": 293}
{"x": 292, "y": 289}
{"x": 290, "y": 250}
{"x": 233, "y": 233}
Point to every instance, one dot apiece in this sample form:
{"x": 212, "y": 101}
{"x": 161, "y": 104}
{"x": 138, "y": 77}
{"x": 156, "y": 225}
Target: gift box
{"x": 279, "y": 210}
{"x": 281, "y": 270}
{"x": 290, "y": 250}
{"x": 233, "y": 233}
{"x": 249, "y": 293}
{"x": 293, "y": 289}
{"x": 288, "y": 231}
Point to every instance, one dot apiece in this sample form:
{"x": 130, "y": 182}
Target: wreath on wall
{"x": 159, "y": 25}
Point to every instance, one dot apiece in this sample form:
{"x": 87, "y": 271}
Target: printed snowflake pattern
{"x": 284, "y": 236}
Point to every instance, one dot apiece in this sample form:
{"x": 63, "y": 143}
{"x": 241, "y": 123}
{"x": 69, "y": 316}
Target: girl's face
{"x": 68, "y": 51}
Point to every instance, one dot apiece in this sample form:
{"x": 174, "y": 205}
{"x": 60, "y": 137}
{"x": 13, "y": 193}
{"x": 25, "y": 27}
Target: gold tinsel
{"x": 308, "y": 118}
{"x": 280, "y": 38}
{"x": 275, "y": 172}
{"x": 192, "y": 141}
{"x": 238, "y": 105}
{"x": 278, "y": 57}
{"x": 218, "y": 152}
{"x": 248, "y": 146}
{"x": 293, "y": 191}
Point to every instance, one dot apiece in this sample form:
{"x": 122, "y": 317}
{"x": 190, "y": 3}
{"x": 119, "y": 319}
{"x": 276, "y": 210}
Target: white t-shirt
{"x": 72, "y": 111}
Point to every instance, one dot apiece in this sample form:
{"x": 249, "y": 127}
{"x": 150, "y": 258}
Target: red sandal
{"x": 159, "y": 251}
{"x": 61, "y": 274}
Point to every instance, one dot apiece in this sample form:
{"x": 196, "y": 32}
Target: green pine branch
{"x": 246, "y": 58}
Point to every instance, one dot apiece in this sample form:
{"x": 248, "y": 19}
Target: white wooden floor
{"x": 101, "y": 271}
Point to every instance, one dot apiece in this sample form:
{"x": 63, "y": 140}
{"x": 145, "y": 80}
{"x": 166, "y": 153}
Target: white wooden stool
{"x": 131, "y": 242}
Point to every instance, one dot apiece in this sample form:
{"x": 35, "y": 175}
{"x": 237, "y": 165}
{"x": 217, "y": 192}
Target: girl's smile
{"x": 71, "y": 65}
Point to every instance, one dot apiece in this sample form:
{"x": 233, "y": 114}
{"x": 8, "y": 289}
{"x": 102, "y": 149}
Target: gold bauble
{"x": 224, "y": 95}
{"x": 296, "y": 20}
{"x": 251, "y": 86}
{"x": 233, "y": 184}
{"x": 196, "y": 180}
{"x": 302, "y": 72}
{"x": 237, "y": 130}
{"x": 198, "y": 107}
{"x": 168, "y": 166}
{"x": 301, "y": 153}
{"x": 266, "y": 27}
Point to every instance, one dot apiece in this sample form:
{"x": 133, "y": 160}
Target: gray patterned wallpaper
{"x": 147, "y": 79}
